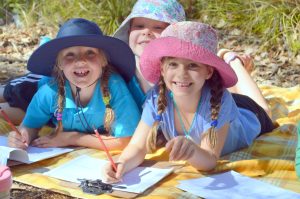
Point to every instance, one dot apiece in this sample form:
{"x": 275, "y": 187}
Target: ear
{"x": 59, "y": 67}
{"x": 210, "y": 72}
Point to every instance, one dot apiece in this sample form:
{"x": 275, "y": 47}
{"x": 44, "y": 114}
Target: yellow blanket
{"x": 270, "y": 158}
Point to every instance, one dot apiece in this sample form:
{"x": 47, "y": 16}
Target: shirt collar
{"x": 70, "y": 102}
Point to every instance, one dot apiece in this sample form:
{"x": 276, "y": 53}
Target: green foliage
{"x": 276, "y": 22}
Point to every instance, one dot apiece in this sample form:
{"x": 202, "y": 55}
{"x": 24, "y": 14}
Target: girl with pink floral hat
{"x": 198, "y": 117}
{"x": 147, "y": 20}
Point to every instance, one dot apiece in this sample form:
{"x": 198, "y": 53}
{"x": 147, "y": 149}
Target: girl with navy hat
{"x": 86, "y": 92}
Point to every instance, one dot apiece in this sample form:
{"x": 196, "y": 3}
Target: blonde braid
{"x": 109, "y": 115}
{"x": 161, "y": 106}
{"x": 216, "y": 91}
{"x": 60, "y": 79}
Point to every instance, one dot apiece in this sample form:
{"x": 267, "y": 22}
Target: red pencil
{"x": 106, "y": 150}
{"x": 5, "y": 116}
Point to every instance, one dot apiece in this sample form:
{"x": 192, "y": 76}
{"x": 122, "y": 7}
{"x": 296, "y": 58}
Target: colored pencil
{"x": 106, "y": 150}
{"x": 5, "y": 116}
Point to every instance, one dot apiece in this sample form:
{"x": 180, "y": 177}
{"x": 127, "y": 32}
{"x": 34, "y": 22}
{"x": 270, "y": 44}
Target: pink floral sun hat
{"x": 189, "y": 40}
{"x": 169, "y": 11}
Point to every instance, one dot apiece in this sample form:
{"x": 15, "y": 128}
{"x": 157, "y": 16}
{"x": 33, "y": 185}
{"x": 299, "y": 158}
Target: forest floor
{"x": 276, "y": 67}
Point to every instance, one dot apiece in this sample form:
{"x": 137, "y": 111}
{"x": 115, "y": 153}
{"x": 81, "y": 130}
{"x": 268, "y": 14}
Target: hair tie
{"x": 58, "y": 116}
{"x": 107, "y": 106}
{"x": 230, "y": 57}
{"x": 214, "y": 123}
{"x": 158, "y": 118}
{"x": 106, "y": 100}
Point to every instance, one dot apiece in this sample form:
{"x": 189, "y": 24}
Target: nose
{"x": 80, "y": 60}
{"x": 182, "y": 71}
{"x": 147, "y": 31}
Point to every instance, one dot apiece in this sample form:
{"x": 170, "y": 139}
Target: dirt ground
{"x": 276, "y": 67}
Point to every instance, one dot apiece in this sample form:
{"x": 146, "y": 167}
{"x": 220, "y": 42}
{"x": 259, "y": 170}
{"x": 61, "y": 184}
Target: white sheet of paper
{"x": 234, "y": 185}
{"x": 85, "y": 167}
{"x": 3, "y": 158}
{"x": 34, "y": 153}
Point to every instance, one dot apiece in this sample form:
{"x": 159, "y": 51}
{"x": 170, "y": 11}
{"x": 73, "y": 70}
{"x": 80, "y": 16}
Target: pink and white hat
{"x": 189, "y": 40}
{"x": 168, "y": 11}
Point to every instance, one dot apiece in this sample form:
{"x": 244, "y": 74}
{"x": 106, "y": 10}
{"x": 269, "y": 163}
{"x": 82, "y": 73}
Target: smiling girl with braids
{"x": 190, "y": 103}
{"x": 86, "y": 93}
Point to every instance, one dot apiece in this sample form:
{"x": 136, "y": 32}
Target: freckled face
{"x": 81, "y": 65}
{"x": 142, "y": 31}
{"x": 185, "y": 77}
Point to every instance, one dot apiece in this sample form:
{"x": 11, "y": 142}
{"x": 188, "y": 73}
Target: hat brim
{"x": 150, "y": 61}
{"x": 119, "y": 54}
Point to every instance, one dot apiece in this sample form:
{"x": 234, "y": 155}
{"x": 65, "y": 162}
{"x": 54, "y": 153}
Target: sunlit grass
{"x": 275, "y": 22}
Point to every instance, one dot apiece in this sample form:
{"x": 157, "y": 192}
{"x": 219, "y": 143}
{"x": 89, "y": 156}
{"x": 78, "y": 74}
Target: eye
{"x": 138, "y": 26}
{"x": 90, "y": 53}
{"x": 158, "y": 28}
{"x": 193, "y": 66}
{"x": 69, "y": 56}
{"x": 172, "y": 65}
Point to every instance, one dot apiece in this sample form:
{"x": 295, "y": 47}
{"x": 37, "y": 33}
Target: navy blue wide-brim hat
{"x": 81, "y": 32}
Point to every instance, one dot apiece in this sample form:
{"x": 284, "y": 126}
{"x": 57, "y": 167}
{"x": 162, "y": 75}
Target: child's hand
{"x": 110, "y": 176}
{"x": 58, "y": 140}
{"x": 18, "y": 141}
{"x": 180, "y": 148}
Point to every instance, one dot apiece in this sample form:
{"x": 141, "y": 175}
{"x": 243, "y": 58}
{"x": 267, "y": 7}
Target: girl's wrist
{"x": 121, "y": 162}
{"x": 229, "y": 57}
{"x": 30, "y": 133}
{"x": 73, "y": 138}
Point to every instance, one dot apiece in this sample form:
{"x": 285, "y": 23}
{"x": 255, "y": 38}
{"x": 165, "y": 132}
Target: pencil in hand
{"x": 106, "y": 150}
{"x": 14, "y": 128}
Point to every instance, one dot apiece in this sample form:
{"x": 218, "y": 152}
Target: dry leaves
{"x": 276, "y": 67}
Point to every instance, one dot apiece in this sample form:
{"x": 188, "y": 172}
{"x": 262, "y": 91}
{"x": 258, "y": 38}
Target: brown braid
{"x": 161, "y": 105}
{"x": 60, "y": 79}
{"x": 217, "y": 89}
{"x": 109, "y": 113}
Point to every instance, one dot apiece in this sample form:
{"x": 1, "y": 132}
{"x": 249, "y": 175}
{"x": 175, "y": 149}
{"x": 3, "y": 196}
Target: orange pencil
{"x": 5, "y": 116}
{"x": 106, "y": 150}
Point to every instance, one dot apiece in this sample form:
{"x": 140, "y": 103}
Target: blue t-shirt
{"x": 138, "y": 94}
{"x": 44, "y": 104}
{"x": 244, "y": 126}
{"x": 44, "y": 80}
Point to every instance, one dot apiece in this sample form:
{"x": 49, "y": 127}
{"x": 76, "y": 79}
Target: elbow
{"x": 205, "y": 164}
{"x": 205, "y": 168}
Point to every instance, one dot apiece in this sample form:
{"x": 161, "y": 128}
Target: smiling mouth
{"x": 182, "y": 84}
{"x": 81, "y": 73}
{"x": 144, "y": 42}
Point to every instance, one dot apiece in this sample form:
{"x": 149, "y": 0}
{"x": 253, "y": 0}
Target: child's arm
{"x": 73, "y": 138}
{"x": 202, "y": 157}
{"x": 22, "y": 141}
{"x": 132, "y": 156}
